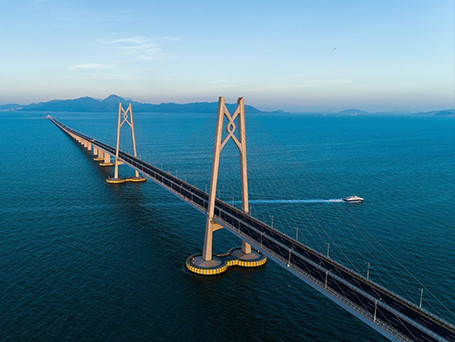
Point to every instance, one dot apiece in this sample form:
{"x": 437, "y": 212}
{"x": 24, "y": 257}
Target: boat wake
{"x": 293, "y": 201}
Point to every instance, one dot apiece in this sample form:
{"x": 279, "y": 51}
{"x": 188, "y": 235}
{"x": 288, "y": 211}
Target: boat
{"x": 353, "y": 199}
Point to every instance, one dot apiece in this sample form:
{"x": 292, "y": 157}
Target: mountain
{"x": 352, "y": 112}
{"x": 447, "y": 112}
{"x": 110, "y": 104}
{"x": 83, "y": 104}
{"x": 11, "y": 106}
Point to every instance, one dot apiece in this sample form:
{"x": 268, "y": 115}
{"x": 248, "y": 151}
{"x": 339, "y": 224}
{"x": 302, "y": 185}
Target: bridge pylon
{"x": 206, "y": 263}
{"x": 124, "y": 116}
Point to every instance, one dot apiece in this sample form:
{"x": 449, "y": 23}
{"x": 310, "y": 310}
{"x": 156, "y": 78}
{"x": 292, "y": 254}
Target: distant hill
{"x": 11, "y": 106}
{"x": 447, "y": 112}
{"x": 352, "y": 112}
{"x": 110, "y": 104}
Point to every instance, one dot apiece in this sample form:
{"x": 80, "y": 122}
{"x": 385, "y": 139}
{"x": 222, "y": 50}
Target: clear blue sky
{"x": 291, "y": 55}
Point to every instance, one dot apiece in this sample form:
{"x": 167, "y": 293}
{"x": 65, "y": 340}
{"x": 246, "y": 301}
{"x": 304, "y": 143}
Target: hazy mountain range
{"x": 110, "y": 104}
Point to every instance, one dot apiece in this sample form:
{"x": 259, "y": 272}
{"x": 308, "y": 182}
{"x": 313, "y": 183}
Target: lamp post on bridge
{"x": 421, "y": 298}
{"x": 375, "y": 310}
{"x": 289, "y": 260}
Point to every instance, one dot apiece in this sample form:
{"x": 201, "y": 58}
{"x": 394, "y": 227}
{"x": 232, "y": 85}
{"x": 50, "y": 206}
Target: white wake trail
{"x": 293, "y": 201}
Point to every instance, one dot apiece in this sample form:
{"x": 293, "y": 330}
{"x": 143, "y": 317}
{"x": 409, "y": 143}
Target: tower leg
{"x": 118, "y": 140}
{"x": 208, "y": 239}
{"x": 246, "y": 248}
{"x": 136, "y": 173}
{"x": 116, "y": 169}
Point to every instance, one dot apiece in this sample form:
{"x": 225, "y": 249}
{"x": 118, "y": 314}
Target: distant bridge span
{"x": 391, "y": 315}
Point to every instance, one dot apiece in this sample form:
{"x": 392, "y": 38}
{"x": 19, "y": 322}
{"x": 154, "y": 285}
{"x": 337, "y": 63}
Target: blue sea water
{"x": 84, "y": 260}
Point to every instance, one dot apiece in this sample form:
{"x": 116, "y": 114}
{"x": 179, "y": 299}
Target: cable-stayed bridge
{"x": 393, "y": 316}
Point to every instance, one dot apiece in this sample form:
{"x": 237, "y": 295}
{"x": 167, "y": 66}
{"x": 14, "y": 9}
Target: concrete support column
{"x": 107, "y": 158}
{"x": 95, "y": 151}
{"x": 89, "y": 147}
{"x": 209, "y": 226}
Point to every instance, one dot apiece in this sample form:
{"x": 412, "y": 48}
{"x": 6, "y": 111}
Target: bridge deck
{"x": 391, "y": 315}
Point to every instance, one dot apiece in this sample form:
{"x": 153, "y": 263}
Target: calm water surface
{"x": 84, "y": 260}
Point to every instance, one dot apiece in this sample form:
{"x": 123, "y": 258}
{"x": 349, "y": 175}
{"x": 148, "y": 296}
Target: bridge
{"x": 393, "y": 316}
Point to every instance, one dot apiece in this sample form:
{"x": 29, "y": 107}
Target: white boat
{"x": 353, "y": 199}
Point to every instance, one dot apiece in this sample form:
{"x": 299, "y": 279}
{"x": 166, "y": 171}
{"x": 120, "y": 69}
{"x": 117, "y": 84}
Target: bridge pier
{"x": 221, "y": 262}
{"x": 99, "y": 155}
{"x": 107, "y": 160}
{"x": 124, "y": 116}
{"x": 206, "y": 261}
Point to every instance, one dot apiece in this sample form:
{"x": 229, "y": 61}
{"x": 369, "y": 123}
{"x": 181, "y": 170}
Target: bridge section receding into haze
{"x": 393, "y": 316}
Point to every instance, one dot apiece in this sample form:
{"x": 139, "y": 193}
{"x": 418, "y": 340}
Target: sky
{"x": 290, "y": 55}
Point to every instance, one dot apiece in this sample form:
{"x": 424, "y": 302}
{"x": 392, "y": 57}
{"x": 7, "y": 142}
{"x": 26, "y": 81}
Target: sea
{"x": 83, "y": 260}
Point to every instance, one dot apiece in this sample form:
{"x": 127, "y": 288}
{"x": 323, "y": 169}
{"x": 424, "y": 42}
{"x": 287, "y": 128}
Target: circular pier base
{"x": 220, "y": 262}
{"x": 196, "y": 264}
{"x": 98, "y": 159}
{"x": 107, "y": 164}
{"x": 115, "y": 180}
